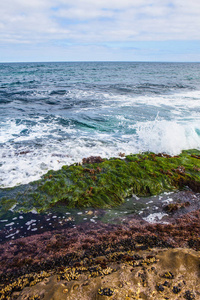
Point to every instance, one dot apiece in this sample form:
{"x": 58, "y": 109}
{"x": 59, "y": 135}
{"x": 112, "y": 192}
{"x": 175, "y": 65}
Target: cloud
{"x": 97, "y": 22}
{"x": 132, "y": 20}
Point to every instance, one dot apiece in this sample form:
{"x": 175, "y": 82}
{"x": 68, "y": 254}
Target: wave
{"x": 30, "y": 154}
{"x": 168, "y": 136}
{"x": 58, "y": 92}
{"x": 75, "y": 110}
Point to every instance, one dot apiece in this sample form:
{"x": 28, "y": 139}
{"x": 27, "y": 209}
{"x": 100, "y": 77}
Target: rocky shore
{"x": 128, "y": 259}
{"x": 134, "y": 260}
{"x": 148, "y": 274}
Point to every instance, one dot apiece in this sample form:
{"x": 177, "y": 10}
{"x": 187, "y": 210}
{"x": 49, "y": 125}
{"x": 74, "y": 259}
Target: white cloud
{"x": 38, "y": 20}
{"x": 79, "y": 22}
{"x": 83, "y": 13}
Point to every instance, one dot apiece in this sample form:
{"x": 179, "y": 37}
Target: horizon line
{"x": 98, "y": 61}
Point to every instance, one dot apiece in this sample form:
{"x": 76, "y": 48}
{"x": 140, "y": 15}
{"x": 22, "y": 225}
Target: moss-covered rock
{"x": 107, "y": 182}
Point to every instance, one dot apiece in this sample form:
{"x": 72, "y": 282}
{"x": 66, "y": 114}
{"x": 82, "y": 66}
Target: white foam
{"x": 176, "y": 101}
{"x": 168, "y": 193}
{"x": 155, "y": 217}
{"x": 9, "y": 130}
{"x": 12, "y": 234}
{"x": 23, "y": 161}
{"x": 34, "y": 229}
{"x": 167, "y": 136}
{"x": 34, "y": 211}
{"x": 134, "y": 196}
{"x": 30, "y": 222}
{"x": 10, "y": 224}
{"x": 92, "y": 220}
{"x": 168, "y": 200}
{"x": 13, "y": 207}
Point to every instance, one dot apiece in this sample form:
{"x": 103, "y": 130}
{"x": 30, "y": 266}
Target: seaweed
{"x": 104, "y": 183}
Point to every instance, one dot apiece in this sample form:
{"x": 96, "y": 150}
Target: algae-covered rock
{"x": 107, "y": 182}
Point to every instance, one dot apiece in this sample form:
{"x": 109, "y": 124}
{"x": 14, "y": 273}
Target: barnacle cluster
{"x": 92, "y": 267}
{"x": 22, "y": 282}
{"x": 106, "y": 291}
{"x": 168, "y": 275}
{"x": 70, "y": 273}
{"x": 89, "y": 270}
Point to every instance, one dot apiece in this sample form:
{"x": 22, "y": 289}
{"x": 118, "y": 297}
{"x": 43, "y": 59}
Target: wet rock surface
{"x": 98, "y": 251}
{"x": 127, "y": 259}
{"x": 140, "y": 278}
{"x": 164, "y": 208}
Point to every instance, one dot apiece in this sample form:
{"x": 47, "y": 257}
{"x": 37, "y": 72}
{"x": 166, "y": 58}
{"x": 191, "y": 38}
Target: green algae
{"x": 6, "y": 204}
{"x": 107, "y": 183}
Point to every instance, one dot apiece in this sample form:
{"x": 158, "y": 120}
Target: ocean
{"x": 54, "y": 114}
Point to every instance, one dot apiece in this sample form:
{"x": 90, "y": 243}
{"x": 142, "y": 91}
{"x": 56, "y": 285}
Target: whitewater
{"x": 53, "y": 114}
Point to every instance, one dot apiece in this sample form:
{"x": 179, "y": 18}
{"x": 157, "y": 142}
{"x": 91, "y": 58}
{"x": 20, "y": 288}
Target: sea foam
{"x": 28, "y": 162}
{"x": 68, "y": 111}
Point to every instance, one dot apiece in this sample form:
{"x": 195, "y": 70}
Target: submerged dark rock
{"x": 172, "y": 207}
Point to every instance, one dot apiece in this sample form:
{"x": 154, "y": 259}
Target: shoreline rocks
{"x": 26, "y": 262}
{"x": 104, "y": 183}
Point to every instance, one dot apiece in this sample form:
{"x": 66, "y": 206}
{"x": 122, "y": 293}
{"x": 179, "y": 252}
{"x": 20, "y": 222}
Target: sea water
{"x": 54, "y": 114}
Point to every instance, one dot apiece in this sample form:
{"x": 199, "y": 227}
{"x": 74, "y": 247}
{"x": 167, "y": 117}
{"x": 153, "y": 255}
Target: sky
{"x": 99, "y": 30}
